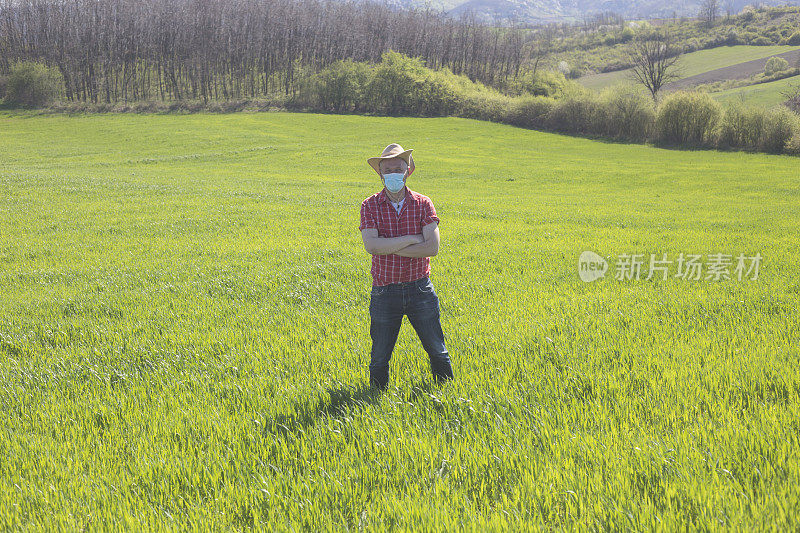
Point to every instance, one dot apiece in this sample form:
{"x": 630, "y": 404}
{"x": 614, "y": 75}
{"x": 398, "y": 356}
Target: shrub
{"x": 392, "y": 85}
{"x": 717, "y": 40}
{"x": 540, "y": 83}
{"x": 747, "y": 16}
{"x": 529, "y": 111}
{"x": 793, "y": 101}
{"x": 435, "y": 94}
{"x": 628, "y": 114}
{"x": 399, "y": 85}
{"x": 32, "y": 84}
{"x": 741, "y": 127}
{"x": 780, "y": 125}
{"x": 793, "y": 146}
{"x": 577, "y": 113}
{"x": 340, "y": 87}
{"x": 732, "y": 38}
{"x": 761, "y": 41}
{"x": 484, "y": 105}
{"x": 574, "y": 73}
{"x": 794, "y": 40}
{"x": 687, "y": 118}
{"x": 626, "y": 35}
{"x": 692, "y": 45}
{"x": 774, "y": 65}
{"x": 747, "y": 37}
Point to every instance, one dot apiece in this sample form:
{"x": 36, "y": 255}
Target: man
{"x": 401, "y": 231}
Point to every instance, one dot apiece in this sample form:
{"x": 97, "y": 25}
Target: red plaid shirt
{"x": 417, "y": 212}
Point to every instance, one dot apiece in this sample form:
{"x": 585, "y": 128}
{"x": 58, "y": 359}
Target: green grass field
{"x": 184, "y": 331}
{"x": 693, "y": 63}
{"x": 762, "y": 94}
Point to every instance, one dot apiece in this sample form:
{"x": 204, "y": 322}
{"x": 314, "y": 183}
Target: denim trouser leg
{"x": 387, "y": 306}
{"x": 423, "y": 313}
{"x": 386, "y": 317}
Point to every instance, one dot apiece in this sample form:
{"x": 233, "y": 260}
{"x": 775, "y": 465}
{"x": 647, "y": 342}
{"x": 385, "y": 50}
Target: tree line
{"x": 130, "y": 50}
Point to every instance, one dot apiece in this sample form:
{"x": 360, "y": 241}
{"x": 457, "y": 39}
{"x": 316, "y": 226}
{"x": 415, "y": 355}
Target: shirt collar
{"x": 383, "y": 198}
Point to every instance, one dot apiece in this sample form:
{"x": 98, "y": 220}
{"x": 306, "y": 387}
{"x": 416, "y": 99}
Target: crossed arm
{"x": 425, "y": 245}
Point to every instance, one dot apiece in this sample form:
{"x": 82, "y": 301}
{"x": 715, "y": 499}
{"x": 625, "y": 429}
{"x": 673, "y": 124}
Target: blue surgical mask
{"x": 394, "y": 181}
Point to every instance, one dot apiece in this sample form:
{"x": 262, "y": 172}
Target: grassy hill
{"x": 762, "y": 94}
{"x": 537, "y": 11}
{"x": 184, "y": 330}
{"x": 604, "y": 49}
{"x": 694, "y": 63}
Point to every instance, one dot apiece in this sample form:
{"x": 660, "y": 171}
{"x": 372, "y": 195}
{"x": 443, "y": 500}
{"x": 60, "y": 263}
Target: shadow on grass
{"x": 340, "y": 401}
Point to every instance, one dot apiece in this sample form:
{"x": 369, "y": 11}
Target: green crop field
{"x": 762, "y": 94}
{"x": 693, "y": 63}
{"x": 184, "y": 331}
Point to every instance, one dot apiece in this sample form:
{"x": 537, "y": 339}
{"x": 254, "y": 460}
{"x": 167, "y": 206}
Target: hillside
{"x": 727, "y": 60}
{"x": 704, "y": 66}
{"x": 604, "y": 49}
{"x": 761, "y": 94}
{"x": 535, "y": 11}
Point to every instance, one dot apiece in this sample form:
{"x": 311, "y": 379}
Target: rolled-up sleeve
{"x": 429, "y": 213}
{"x": 367, "y": 217}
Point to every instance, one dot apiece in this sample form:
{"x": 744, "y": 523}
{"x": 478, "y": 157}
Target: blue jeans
{"x": 419, "y": 302}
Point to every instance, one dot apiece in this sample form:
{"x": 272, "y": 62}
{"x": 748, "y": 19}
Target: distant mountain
{"x": 533, "y": 11}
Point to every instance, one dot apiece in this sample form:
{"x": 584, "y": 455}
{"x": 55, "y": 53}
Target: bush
{"x": 741, "y": 127}
{"x": 794, "y": 40}
{"x": 626, "y": 35}
{"x": 403, "y": 86}
{"x": 775, "y": 65}
{"x": 540, "y": 83}
{"x": 577, "y": 113}
{"x": 687, "y": 118}
{"x": 575, "y": 73}
{"x": 390, "y": 89}
{"x": 793, "y": 101}
{"x": 485, "y": 105}
{"x": 747, "y": 37}
{"x": 548, "y": 83}
{"x": 780, "y": 125}
{"x": 628, "y": 114}
{"x": 436, "y": 94}
{"x": 32, "y": 84}
{"x": 692, "y": 45}
{"x": 529, "y": 111}
{"x": 793, "y": 146}
{"x": 761, "y": 41}
{"x": 399, "y": 85}
{"x": 340, "y": 87}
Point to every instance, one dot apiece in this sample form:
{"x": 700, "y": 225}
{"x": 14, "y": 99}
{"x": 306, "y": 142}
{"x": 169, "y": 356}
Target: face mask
{"x": 394, "y": 181}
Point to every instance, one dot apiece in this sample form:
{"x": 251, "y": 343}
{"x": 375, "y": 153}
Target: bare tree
{"x": 131, "y": 50}
{"x": 709, "y": 10}
{"x": 792, "y": 95}
{"x": 655, "y": 60}
{"x": 541, "y": 47}
{"x": 729, "y": 8}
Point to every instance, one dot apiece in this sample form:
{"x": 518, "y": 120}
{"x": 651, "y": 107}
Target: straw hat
{"x": 392, "y": 151}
